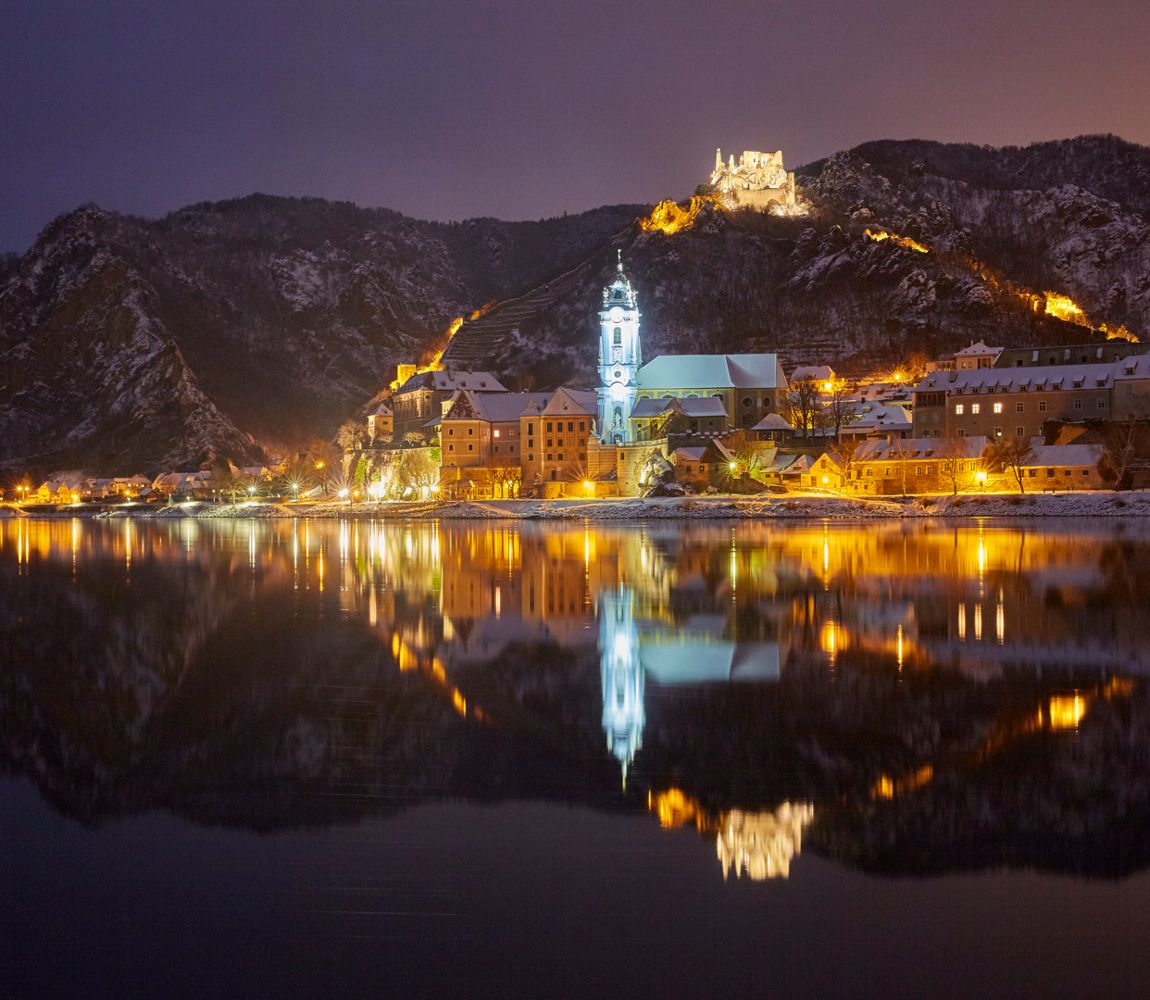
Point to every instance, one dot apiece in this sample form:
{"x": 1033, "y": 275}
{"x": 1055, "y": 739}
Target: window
{"x": 1042, "y": 406}
{"x": 570, "y": 425}
{"x": 1019, "y": 431}
{"x": 471, "y": 447}
{"x": 959, "y": 409}
{"x": 530, "y": 427}
{"x": 550, "y": 442}
{"x": 1019, "y": 407}
{"x": 975, "y": 408}
{"x": 451, "y": 447}
{"x": 1101, "y": 404}
{"x": 548, "y": 458}
{"x": 618, "y": 337}
{"x": 583, "y": 425}
{"x": 470, "y": 431}
{"x": 1049, "y": 473}
{"x": 747, "y": 402}
{"x": 1078, "y": 404}
{"x": 451, "y": 432}
{"x": 997, "y": 407}
{"x": 496, "y": 433}
{"x": 560, "y": 456}
{"x": 548, "y": 426}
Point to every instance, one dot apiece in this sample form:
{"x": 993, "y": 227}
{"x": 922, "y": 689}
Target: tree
{"x": 839, "y": 408}
{"x": 844, "y": 451}
{"x": 1011, "y": 455}
{"x": 805, "y": 405}
{"x": 952, "y": 460}
{"x": 351, "y": 435}
{"x": 1120, "y": 441}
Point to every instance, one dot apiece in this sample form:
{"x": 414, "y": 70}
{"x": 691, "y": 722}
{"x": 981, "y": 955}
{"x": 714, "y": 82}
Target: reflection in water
{"x": 872, "y": 689}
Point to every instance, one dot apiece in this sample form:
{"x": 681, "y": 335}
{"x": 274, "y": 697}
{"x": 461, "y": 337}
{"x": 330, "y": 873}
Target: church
{"x": 700, "y": 393}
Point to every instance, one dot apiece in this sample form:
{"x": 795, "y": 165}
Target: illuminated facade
{"x": 757, "y": 180}
{"x": 620, "y": 357}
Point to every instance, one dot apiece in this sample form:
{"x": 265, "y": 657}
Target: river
{"x": 697, "y": 759}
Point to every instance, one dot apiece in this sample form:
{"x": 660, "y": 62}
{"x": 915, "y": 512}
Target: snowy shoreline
{"x": 791, "y": 506}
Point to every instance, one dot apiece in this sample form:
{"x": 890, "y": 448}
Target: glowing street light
{"x": 980, "y": 478}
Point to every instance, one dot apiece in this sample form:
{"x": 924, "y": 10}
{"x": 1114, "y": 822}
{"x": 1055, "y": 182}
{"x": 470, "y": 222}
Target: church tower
{"x": 620, "y": 357}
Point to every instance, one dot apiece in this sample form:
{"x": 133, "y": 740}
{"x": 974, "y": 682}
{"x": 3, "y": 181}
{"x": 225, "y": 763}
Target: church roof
{"x": 712, "y": 371}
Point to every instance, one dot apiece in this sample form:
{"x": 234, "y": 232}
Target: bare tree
{"x": 1120, "y": 442}
{"x": 1011, "y": 455}
{"x": 839, "y": 410}
{"x": 843, "y": 452}
{"x": 805, "y": 405}
{"x": 952, "y": 459}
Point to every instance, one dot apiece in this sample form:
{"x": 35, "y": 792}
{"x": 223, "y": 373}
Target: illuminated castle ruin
{"x": 757, "y": 180}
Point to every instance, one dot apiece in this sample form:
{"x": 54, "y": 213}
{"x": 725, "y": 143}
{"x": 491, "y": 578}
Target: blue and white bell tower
{"x": 620, "y": 357}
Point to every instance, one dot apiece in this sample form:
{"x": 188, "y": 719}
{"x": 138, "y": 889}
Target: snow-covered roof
{"x": 1076, "y": 455}
{"x": 876, "y": 416}
{"x": 450, "y": 380}
{"x": 882, "y": 450}
{"x": 646, "y": 408}
{"x": 978, "y": 350}
{"x": 496, "y": 407}
{"x": 691, "y": 406}
{"x": 712, "y": 371}
{"x": 1046, "y": 378}
{"x": 813, "y": 373}
{"x": 690, "y": 454}
{"x": 584, "y": 402}
{"x": 383, "y": 410}
{"x": 773, "y": 422}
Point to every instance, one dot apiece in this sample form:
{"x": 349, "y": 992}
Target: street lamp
{"x": 980, "y": 478}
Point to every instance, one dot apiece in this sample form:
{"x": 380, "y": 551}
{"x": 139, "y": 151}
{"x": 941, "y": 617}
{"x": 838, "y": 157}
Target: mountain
{"x": 907, "y": 247}
{"x": 234, "y": 328}
{"x": 242, "y": 327}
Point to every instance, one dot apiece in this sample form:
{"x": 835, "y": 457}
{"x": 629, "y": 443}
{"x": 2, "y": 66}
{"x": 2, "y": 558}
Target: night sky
{"x": 520, "y": 109}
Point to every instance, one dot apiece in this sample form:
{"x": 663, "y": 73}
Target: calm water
{"x": 697, "y": 760}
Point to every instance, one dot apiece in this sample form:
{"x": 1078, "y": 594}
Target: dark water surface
{"x": 534, "y": 760}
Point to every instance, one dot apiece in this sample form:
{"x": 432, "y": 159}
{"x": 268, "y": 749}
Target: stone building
{"x": 757, "y": 180}
{"x": 1016, "y": 402}
{"x": 418, "y": 402}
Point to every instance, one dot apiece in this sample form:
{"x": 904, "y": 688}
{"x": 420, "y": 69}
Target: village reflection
{"x": 666, "y": 608}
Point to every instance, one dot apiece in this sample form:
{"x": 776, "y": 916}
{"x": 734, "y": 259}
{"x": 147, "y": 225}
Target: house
{"x": 557, "y": 435}
{"x": 422, "y": 397}
{"x": 480, "y": 442}
{"x": 381, "y": 424}
{"x": 700, "y": 466}
{"x": 887, "y": 467}
{"x": 654, "y": 418}
{"x": 183, "y": 485}
{"x": 1103, "y": 352}
{"x": 823, "y": 375}
{"x": 877, "y": 420}
{"x": 1064, "y": 467}
{"x": 977, "y": 355}
{"x": 773, "y": 427}
{"x": 60, "y": 489}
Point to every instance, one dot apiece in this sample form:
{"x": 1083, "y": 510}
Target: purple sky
{"x": 450, "y": 108}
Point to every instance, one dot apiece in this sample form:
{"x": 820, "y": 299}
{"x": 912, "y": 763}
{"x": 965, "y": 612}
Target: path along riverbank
{"x": 1096, "y": 503}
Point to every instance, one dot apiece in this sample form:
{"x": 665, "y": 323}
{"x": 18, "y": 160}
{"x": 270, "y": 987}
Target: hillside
{"x": 257, "y": 325}
{"x": 233, "y": 328}
{"x": 979, "y": 233}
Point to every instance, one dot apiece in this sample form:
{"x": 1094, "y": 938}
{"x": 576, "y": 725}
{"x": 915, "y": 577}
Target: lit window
{"x": 975, "y": 407}
{"x": 497, "y": 434}
{"x": 997, "y": 407}
{"x": 959, "y": 409}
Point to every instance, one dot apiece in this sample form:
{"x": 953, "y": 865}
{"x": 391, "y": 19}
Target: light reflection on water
{"x": 761, "y": 683}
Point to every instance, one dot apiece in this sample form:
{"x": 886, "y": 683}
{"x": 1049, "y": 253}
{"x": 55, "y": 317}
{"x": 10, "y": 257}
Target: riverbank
{"x": 1096, "y": 503}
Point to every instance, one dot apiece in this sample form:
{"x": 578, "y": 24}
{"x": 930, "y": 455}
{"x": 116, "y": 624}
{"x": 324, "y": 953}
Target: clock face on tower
{"x": 616, "y": 314}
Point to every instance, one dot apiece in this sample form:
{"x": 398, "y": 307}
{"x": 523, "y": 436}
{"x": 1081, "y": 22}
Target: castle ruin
{"x": 757, "y": 180}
